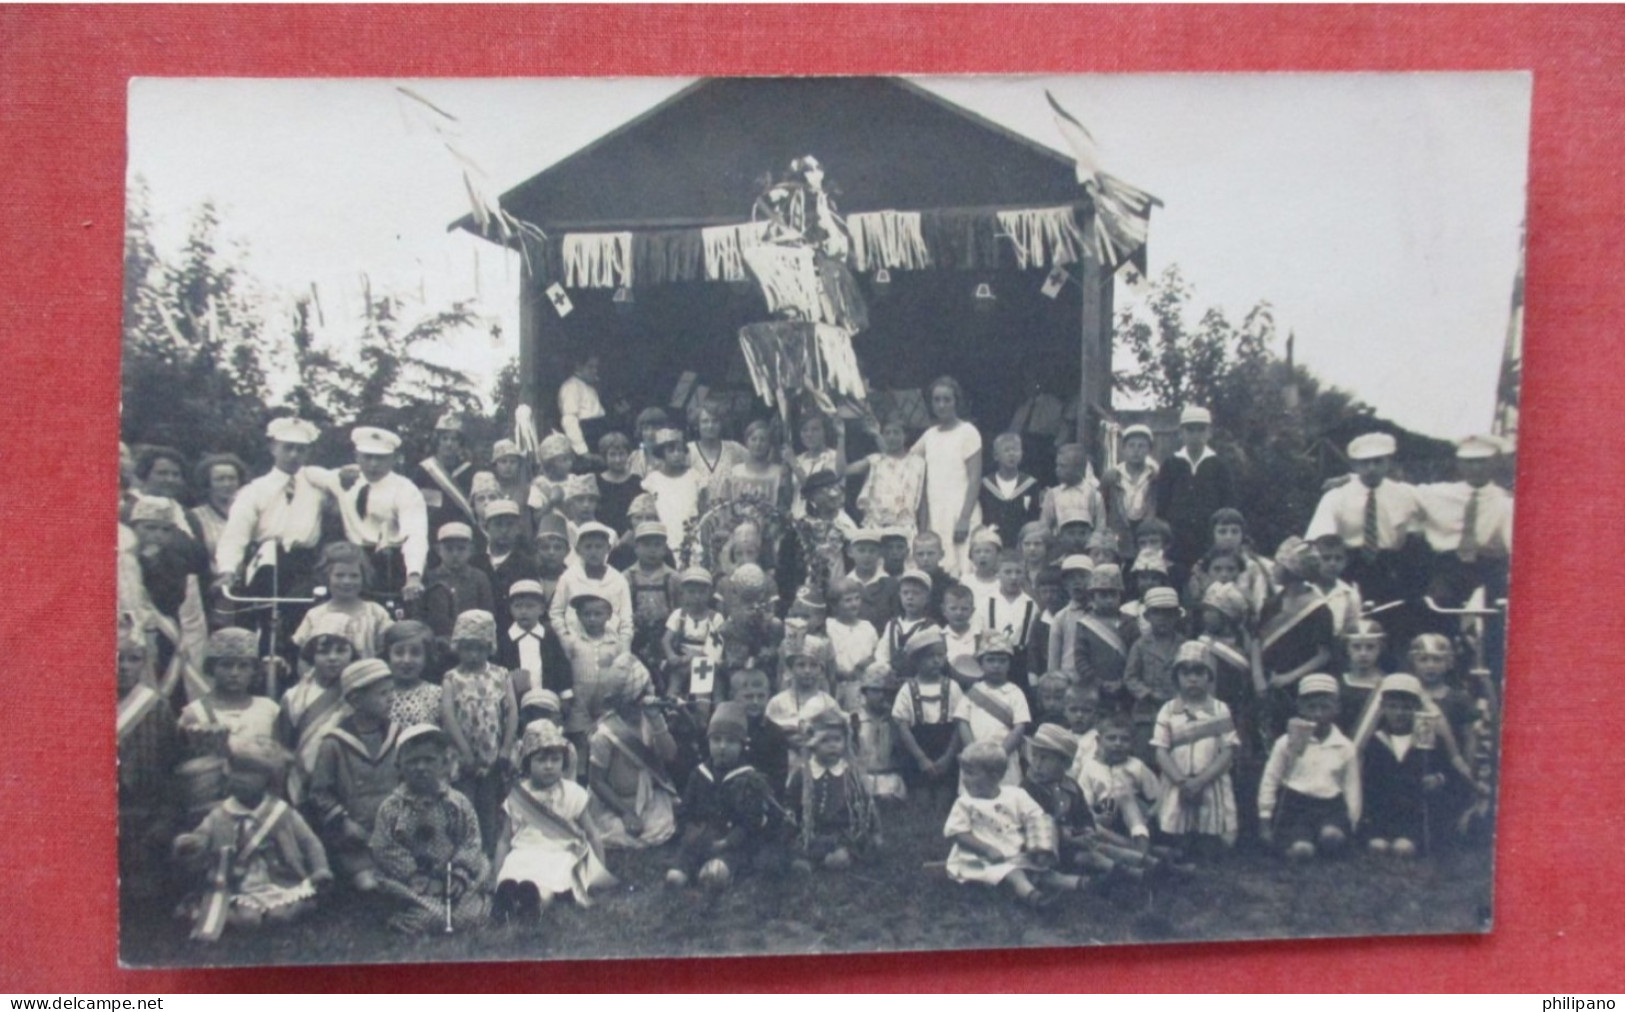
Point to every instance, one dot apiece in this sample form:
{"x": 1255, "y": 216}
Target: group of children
{"x": 1073, "y": 706}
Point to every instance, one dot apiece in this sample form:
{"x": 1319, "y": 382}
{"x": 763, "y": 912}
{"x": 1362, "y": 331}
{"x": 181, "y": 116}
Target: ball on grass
{"x": 715, "y": 874}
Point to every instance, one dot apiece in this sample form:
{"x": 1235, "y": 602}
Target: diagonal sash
{"x": 992, "y": 707}
{"x": 1227, "y": 653}
{"x": 266, "y": 823}
{"x": 1212, "y": 727}
{"x": 1102, "y": 631}
{"x": 448, "y": 487}
{"x": 1283, "y": 623}
{"x": 589, "y": 871}
{"x": 638, "y": 752}
{"x": 133, "y": 707}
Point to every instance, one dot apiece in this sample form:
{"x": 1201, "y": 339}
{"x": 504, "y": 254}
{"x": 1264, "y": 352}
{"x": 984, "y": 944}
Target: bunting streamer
{"x": 788, "y": 277}
{"x": 724, "y": 245}
{"x": 597, "y": 259}
{"x": 890, "y": 239}
{"x": 1043, "y": 237}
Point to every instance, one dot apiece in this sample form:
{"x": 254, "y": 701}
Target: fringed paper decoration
{"x": 1043, "y": 237}
{"x": 788, "y": 279}
{"x": 840, "y": 303}
{"x": 597, "y": 259}
{"x": 889, "y": 239}
{"x": 1122, "y": 212}
{"x": 723, "y": 245}
{"x": 660, "y": 258}
{"x": 789, "y": 358}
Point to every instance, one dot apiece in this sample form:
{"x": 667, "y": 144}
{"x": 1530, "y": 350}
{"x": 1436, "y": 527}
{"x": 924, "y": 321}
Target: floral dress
{"x": 477, "y": 700}
{"x": 418, "y": 705}
{"x": 891, "y": 493}
{"x": 431, "y": 845}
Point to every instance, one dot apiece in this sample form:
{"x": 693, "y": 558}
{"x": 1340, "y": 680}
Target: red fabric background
{"x": 63, "y": 74}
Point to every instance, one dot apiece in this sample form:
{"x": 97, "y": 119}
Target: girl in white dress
{"x": 953, "y": 472}
{"x": 1195, "y": 740}
{"x": 1000, "y": 835}
{"x": 547, "y": 843}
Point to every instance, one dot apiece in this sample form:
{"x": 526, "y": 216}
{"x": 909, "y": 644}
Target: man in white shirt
{"x": 581, "y": 412}
{"x": 386, "y": 515}
{"x": 1468, "y": 525}
{"x": 1374, "y": 517}
{"x": 282, "y": 508}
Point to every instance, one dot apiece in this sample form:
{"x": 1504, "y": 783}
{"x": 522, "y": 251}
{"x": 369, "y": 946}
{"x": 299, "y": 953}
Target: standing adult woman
{"x": 218, "y": 477}
{"x": 952, "y": 449}
{"x": 711, "y": 456}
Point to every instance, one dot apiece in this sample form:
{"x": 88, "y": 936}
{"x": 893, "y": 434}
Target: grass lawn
{"x": 888, "y": 903}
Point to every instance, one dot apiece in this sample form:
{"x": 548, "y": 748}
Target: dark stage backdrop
{"x": 62, "y": 88}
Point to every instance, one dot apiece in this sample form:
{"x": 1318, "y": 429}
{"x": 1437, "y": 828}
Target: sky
{"x": 1380, "y": 214}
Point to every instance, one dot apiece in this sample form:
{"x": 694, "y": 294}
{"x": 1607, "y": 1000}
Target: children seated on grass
{"x": 547, "y": 844}
{"x": 1121, "y": 791}
{"x": 925, "y": 709}
{"x": 734, "y": 823}
{"x": 426, "y": 843}
{"x": 1001, "y": 837}
{"x": 633, "y": 796}
{"x": 1009, "y": 498}
{"x": 992, "y": 709}
{"x": 894, "y": 484}
{"x": 455, "y": 585}
{"x": 837, "y": 822}
{"x": 1053, "y": 750}
{"x": 344, "y": 570}
{"x": 1309, "y": 797}
{"x": 229, "y": 709}
{"x": 355, "y": 771}
{"x": 877, "y": 745}
{"x": 314, "y": 706}
{"x": 253, "y": 858}
{"x": 480, "y": 716}
{"x": 914, "y": 600}
{"x": 1195, "y": 742}
{"x": 1405, "y": 778}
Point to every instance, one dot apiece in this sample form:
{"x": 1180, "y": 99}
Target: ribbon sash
{"x": 448, "y": 487}
{"x": 1212, "y": 727}
{"x": 1283, "y": 623}
{"x": 992, "y": 707}
{"x": 1102, "y": 631}
{"x": 638, "y": 752}
{"x": 133, "y": 707}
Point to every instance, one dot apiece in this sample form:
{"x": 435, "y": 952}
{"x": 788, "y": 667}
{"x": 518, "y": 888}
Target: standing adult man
{"x": 282, "y": 510}
{"x": 581, "y": 412}
{"x": 386, "y": 514}
{"x": 1191, "y": 485}
{"x": 446, "y": 477}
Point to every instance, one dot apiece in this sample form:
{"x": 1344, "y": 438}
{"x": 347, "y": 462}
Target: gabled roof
{"x": 695, "y": 159}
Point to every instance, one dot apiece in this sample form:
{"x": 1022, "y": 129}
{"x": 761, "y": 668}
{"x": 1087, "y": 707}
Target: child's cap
{"x": 1293, "y": 554}
{"x": 1226, "y": 599}
{"x": 475, "y": 624}
{"x": 360, "y": 674}
{"x": 1477, "y": 448}
{"x": 1408, "y": 684}
{"x": 625, "y": 680}
{"x": 1106, "y": 576}
{"x": 1150, "y": 560}
{"x": 233, "y": 643}
{"x": 1138, "y": 430}
{"x": 1102, "y": 540}
{"x": 550, "y": 525}
{"x": 581, "y": 598}
{"x": 526, "y": 588}
{"x": 864, "y": 536}
{"x": 914, "y": 576}
{"x": 449, "y": 422}
{"x": 541, "y": 735}
{"x": 330, "y": 624}
{"x": 1073, "y": 513}
{"x": 368, "y": 439}
{"x": 1431, "y": 645}
{"x": 986, "y": 536}
{"x": 893, "y": 534}
{"x": 818, "y": 481}
{"x": 419, "y": 737}
{"x": 292, "y": 430}
{"x": 1372, "y": 445}
{"x": 695, "y": 575}
{"x": 500, "y": 508}
{"x": 729, "y": 719}
{"x": 1057, "y": 739}
{"x": 257, "y": 753}
{"x": 484, "y": 483}
{"x": 556, "y": 444}
{"x": 930, "y": 636}
{"x": 1195, "y": 653}
{"x": 810, "y": 599}
{"x": 1077, "y": 564}
{"x": 877, "y": 677}
{"x": 796, "y": 645}
{"x": 594, "y": 527}
{"x": 504, "y": 448}
{"x": 648, "y": 529}
{"x": 153, "y": 508}
{"x": 642, "y": 505}
{"x": 1162, "y": 599}
{"x": 1195, "y": 416}
{"x": 995, "y": 641}
{"x": 541, "y": 699}
{"x": 580, "y": 486}
{"x": 1311, "y": 684}
{"x": 455, "y": 531}
{"x": 1366, "y": 630}
{"x": 828, "y": 723}
{"x": 748, "y": 577}
{"x": 984, "y": 756}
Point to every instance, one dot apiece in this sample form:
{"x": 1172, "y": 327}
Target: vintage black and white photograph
{"x": 642, "y": 517}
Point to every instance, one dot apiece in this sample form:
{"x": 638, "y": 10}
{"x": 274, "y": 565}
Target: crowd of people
{"x": 460, "y": 689}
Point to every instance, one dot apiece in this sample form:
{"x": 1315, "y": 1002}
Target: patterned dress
{"x": 478, "y": 699}
{"x": 417, "y": 705}
{"x": 1194, "y": 733}
{"x": 891, "y": 494}
{"x": 414, "y": 841}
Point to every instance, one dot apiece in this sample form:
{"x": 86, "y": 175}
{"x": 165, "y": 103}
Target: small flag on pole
{"x": 1055, "y": 282}
{"x": 561, "y": 301}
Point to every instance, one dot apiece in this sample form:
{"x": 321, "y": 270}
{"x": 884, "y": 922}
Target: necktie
{"x": 1372, "y": 532}
{"x": 290, "y": 488}
{"x": 1468, "y": 550}
{"x": 361, "y": 501}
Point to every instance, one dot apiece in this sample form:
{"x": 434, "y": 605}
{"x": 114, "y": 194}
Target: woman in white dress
{"x": 711, "y": 456}
{"x": 952, "y": 449}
